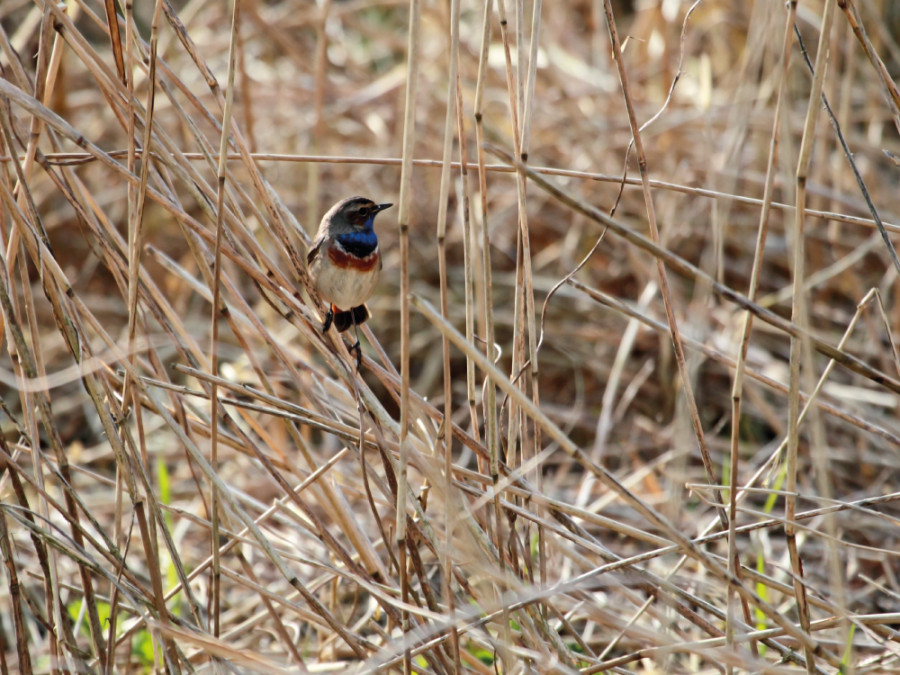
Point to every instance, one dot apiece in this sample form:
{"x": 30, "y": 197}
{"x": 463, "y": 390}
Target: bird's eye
{"x": 363, "y": 210}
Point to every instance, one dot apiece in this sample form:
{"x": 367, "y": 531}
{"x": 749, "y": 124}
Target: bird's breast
{"x": 347, "y": 260}
{"x": 342, "y": 278}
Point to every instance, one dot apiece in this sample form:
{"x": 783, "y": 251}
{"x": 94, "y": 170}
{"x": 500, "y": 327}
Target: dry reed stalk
{"x": 194, "y": 477}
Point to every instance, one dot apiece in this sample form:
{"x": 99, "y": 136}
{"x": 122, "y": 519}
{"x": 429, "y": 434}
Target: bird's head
{"x": 354, "y": 214}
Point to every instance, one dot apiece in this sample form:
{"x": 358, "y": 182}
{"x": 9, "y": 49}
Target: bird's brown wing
{"x": 314, "y": 250}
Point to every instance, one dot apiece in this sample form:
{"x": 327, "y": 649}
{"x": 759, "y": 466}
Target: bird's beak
{"x": 382, "y": 207}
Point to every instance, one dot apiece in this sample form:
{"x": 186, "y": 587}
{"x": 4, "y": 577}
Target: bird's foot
{"x": 329, "y": 317}
{"x": 355, "y": 347}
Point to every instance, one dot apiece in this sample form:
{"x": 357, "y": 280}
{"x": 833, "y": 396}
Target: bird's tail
{"x": 354, "y": 317}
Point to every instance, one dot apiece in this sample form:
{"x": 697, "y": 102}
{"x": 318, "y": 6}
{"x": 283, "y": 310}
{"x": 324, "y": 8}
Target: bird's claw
{"x": 355, "y": 347}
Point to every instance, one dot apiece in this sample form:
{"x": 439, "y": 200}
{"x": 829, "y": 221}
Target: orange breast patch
{"x": 350, "y": 262}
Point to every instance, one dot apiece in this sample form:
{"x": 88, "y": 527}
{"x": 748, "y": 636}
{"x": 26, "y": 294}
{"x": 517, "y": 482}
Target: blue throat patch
{"x": 359, "y": 244}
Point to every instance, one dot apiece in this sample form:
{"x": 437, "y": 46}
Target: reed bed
{"x": 628, "y": 399}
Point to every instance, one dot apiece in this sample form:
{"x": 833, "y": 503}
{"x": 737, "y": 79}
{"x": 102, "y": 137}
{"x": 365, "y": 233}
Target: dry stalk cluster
{"x": 629, "y": 395}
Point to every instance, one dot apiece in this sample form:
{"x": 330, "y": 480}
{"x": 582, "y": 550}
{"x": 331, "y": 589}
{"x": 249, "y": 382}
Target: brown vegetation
{"x": 628, "y": 478}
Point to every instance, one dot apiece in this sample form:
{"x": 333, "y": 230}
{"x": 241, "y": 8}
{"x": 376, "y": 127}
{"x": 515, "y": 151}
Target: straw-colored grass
{"x": 629, "y": 393}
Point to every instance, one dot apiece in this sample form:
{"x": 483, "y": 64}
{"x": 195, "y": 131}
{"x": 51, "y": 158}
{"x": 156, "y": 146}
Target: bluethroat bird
{"x": 344, "y": 263}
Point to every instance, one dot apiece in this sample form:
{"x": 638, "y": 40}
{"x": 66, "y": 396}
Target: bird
{"x": 345, "y": 264}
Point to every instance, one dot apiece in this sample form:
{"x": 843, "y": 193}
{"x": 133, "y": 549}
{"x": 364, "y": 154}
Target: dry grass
{"x": 671, "y": 437}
